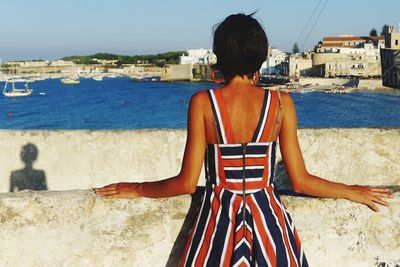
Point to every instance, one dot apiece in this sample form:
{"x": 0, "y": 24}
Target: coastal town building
{"x": 390, "y": 59}
{"x": 198, "y": 56}
{"x": 300, "y": 64}
{"x": 275, "y": 63}
{"x": 343, "y": 56}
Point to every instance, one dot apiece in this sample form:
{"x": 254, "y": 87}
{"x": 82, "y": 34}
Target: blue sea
{"x": 120, "y": 103}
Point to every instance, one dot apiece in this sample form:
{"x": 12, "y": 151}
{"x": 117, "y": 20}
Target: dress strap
{"x": 272, "y": 117}
{"x": 263, "y": 117}
{"x": 220, "y": 117}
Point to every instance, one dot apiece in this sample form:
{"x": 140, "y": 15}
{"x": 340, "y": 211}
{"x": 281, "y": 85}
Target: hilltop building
{"x": 198, "y": 56}
{"x": 390, "y": 59}
{"x": 346, "y": 55}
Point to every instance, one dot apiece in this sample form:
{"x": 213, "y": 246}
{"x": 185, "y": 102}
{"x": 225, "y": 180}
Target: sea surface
{"x": 119, "y": 103}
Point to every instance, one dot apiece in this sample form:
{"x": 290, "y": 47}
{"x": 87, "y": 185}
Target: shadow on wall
{"x": 28, "y": 178}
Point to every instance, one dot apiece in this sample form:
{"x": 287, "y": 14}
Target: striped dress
{"x": 241, "y": 221}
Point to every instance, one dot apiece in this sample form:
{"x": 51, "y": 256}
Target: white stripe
{"x": 240, "y": 192}
{"x": 262, "y": 245}
{"x": 248, "y": 144}
{"x": 279, "y": 226}
{"x": 258, "y": 144}
{"x": 241, "y": 225}
{"x": 215, "y": 226}
{"x": 243, "y": 240}
{"x": 195, "y": 226}
{"x": 258, "y": 179}
{"x": 221, "y": 124}
{"x": 216, "y": 163}
{"x": 269, "y": 164}
{"x": 265, "y": 227}
{"x": 301, "y": 255}
{"x": 265, "y": 117}
{"x": 226, "y": 242}
{"x": 241, "y": 168}
{"x": 247, "y": 156}
{"x": 287, "y": 232}
{"x": 230, "y": 145}
{"x": 242, "y": 259}
{"x": 204, "y": 232}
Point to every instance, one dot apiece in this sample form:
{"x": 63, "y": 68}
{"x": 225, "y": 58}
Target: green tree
{"x": 385, "y": 29}
{"x": 373, "y": 32}
{"x": 295, "y": 48}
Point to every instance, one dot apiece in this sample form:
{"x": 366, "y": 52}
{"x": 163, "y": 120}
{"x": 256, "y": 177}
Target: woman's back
{"x": 244, "y": 105}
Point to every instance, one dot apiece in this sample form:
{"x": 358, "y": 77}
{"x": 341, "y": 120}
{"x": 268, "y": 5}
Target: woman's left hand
{"x": 119, "y": 190}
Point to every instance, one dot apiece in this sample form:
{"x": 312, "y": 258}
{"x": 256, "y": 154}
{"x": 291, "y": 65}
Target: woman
{"x": 235, "y": 128}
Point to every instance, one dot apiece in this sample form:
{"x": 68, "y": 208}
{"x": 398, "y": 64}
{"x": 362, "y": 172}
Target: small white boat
{"x": 72, "y": 80}
{"x": 97, "y": 78}
{"x": 14, "y": 92}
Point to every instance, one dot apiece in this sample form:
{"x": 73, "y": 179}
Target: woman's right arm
{"x": 304, "y": 182}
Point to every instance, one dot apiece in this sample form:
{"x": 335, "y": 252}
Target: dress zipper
{"x": 244, "y": 186}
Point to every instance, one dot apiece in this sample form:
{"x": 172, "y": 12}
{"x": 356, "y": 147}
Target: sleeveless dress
{"x": 241, "y": 221}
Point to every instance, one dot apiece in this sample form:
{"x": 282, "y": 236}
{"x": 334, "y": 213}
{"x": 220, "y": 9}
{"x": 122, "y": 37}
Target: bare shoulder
{"x": 287, "y": 102}
{"x": 199, "y": 99}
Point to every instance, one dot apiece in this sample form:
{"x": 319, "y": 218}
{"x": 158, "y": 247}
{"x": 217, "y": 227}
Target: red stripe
{"x": 221, "y": 172}
{"x": 229, "y": 250}
{"x": 270, "y": 118}
{"x": 265, "y": 241}
{"x": 249, "y": 185}
{"x": 225, "y": 116}
{"x": 215, "y": 205}
{"x": 281, "y": 221}
{"x": 297, "y": 240}
{"x": 239, "y": 162}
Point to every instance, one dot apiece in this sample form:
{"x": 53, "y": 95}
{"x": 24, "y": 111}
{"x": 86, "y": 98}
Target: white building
{"x": 274, "y": 62}
{"x": 198, "y": 56}
{"x": 61, "y": 63}
{"x": 349, "y": 56}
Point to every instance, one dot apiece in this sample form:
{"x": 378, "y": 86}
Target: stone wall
{"x": 78, "y": 228}
{"x": 68, "y": 160}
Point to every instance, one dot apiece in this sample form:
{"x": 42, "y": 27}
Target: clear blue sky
{"x": 51, "y": 29}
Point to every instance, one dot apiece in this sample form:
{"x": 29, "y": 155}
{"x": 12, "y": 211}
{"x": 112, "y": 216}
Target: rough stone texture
{"x": 364, "y": 156}
{"x": 78, "y": 228}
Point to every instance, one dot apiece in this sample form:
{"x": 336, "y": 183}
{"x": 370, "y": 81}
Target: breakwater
{"x": 78, "y": 228}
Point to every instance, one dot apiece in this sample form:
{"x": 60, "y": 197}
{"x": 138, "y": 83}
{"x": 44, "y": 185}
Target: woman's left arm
{"x": 186, "y": 181}
{"x": 304, "y": 182}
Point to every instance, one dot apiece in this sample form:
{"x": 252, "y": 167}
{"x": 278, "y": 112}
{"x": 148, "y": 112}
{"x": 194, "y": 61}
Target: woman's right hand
{"x": 119, "y": 190}
{"x": 369, "y": 196}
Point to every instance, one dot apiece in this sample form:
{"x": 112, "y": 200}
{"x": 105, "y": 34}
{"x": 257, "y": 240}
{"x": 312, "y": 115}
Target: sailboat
{"x": 14, "y": 92}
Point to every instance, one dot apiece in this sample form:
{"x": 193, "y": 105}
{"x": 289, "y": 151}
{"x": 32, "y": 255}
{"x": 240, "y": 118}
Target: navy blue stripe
{"x": 258, "y": 255}
{"x": 262, "y": 202}
{"x": 304, "y": 263}
{"x": 242, "y": 250}
{"x": 201, "y": 225}
{"x": 273, "y": 158}
{"x": 261, "y": 116}
{"x": 253, "y": 149}
{"x": 239, "y": 218}
{"x": 237, "y": 174}
{"x": 231, "y": 151}
{"x": 222, "y": 230}
{"x": 210, "y": 159}
{"x": 215, "y": 116}
{"x": 292, "y": 242}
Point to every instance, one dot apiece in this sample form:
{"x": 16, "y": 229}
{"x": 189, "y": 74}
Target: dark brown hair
{"x": 240, "y": 44}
